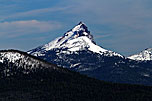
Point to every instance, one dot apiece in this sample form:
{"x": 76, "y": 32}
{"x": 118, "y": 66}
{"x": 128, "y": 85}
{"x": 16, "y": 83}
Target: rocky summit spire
{"x": 79, "y": 30}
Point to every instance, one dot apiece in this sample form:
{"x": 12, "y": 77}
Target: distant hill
{"x": 145, "y": 55}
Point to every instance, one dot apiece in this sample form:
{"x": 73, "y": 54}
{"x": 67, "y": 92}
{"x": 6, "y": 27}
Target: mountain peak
{"x": 81, "y": 23}
{"x": 79, "y": 30}
{"x": 143, "y": 55}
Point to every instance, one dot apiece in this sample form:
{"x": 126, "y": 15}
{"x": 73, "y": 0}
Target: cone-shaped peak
{"x": 77, "y": 39}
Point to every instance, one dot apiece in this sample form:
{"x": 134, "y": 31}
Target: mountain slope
{"x": 145, "y": 55}
{"x": 49, "y": 82}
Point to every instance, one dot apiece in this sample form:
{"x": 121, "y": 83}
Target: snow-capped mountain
{"x": 77, "y": 39}
{"x": 145, "y": 55}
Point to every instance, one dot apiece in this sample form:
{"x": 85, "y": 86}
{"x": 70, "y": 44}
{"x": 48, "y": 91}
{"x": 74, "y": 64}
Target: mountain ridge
{"x": 15, "y": 62}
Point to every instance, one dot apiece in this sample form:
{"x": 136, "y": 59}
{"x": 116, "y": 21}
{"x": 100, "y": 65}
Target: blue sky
{"x": 124, "y": 26}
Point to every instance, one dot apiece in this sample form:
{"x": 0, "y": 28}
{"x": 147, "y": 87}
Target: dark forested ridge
{"x": 51, "y": 83}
